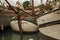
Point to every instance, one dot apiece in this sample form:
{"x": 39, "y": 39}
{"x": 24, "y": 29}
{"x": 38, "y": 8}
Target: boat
{"x": 27, "y": 25}
{"x": 49, "y": 26}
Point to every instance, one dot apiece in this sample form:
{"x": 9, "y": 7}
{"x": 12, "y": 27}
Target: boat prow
{"x": 26, "y": 26}
{"x": 50, "y": 25}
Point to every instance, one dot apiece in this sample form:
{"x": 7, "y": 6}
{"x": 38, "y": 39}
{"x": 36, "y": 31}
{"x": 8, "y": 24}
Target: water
{"x": 9, "y": 34}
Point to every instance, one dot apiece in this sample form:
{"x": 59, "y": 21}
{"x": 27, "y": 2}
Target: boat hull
{"x": 25, "y": 25}
{"x": 48, "y": 18}
{"x": 51, "y": 31}
{"x": 50, "y": 26}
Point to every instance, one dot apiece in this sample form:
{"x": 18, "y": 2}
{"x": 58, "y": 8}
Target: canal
{"x": 9, "y": 34}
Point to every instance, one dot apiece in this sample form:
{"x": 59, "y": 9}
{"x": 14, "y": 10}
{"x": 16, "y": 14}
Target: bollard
{"x": 3, "y": 38}
{"x": 2, "y": 28}
{"x": 31, "y": 39}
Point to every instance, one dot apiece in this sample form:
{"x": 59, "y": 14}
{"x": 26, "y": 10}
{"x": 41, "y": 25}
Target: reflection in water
{"x": 11, "y": 35}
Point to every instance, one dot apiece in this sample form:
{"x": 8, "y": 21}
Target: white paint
{"x": 26, "y": 26}
{"x": 48, "y": 18}
{"x": 51, "y": 31}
